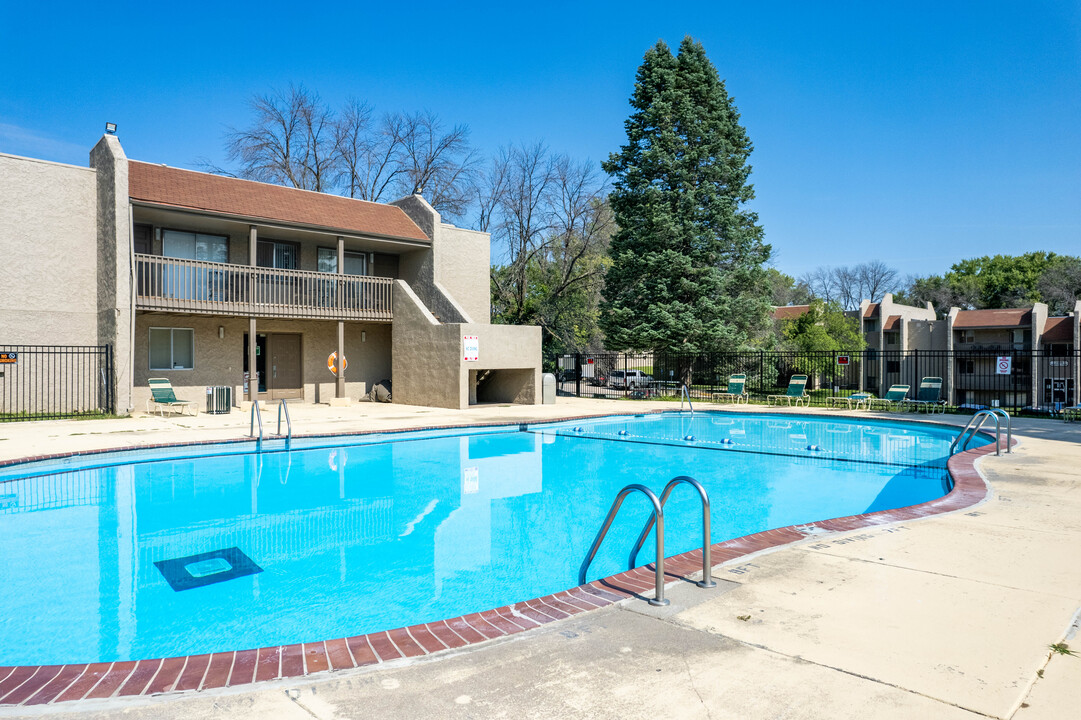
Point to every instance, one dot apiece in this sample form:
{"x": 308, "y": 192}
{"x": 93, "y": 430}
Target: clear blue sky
{"x": 919, "y": 133}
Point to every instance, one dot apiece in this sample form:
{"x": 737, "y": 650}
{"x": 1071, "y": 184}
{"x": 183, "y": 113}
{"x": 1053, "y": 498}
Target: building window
{"x": 966, "y": 367}
{"x": 172, "y": 348}
{"x": 280, "y": 255}
{"x": 356, "y": 263}
{"x": 968, "y": 336}
{"x": 891, "y": 338}
{"x": 194, "y": 246}
{"x": 870, "y": 325}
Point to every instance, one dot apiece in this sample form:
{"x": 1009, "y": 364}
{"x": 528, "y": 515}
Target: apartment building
{"x": 274, "y": 292}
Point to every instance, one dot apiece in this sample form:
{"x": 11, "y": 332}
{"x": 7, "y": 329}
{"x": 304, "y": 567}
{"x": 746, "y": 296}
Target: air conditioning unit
{"x": 219, "y": 400}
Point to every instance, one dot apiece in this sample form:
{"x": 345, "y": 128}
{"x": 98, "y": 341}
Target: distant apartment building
{"x": 274, "y": 292}
{"x": 1013, "y": 357}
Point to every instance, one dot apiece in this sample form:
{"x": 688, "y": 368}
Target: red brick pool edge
{"x": 45, "y": 684}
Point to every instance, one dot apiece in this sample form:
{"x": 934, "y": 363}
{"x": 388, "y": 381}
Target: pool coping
{"x": 37, "y": 685}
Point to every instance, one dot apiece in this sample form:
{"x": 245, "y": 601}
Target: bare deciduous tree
{"x": 371, "y": 158}
{"x": 848, "y": 285}
{"x": 553, "y": 227}
{"x": 436, "y": 164}
{"x": 291, "y": 141}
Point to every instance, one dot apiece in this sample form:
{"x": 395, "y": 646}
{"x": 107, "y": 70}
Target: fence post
{"x": 110, "y": 390}
{"x": 577, "y": 374}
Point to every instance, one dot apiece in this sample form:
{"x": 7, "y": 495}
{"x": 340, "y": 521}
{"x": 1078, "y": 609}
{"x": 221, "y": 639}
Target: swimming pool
{"x": 190, "y": 550}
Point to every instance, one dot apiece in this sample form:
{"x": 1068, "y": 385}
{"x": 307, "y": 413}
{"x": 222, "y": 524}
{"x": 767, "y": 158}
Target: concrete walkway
{"x": 948, "y": 617}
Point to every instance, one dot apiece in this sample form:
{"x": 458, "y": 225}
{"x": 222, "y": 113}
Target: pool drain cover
{"x": 206, "y": 568}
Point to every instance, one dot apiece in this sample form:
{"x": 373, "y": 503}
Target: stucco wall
{"x": 220, "y": 361}
{"x": 48, "y": 235}
{"x": 429, "y": 365}
{"x": 114, "y": 247}
{"x": 462, "y": 264}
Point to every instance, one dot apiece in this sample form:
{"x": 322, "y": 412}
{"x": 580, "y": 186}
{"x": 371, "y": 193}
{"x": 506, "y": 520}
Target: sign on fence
{"x": 842, "y": 360}
{"x": 1004, "y": 365}
{"x": 9, "y": 358}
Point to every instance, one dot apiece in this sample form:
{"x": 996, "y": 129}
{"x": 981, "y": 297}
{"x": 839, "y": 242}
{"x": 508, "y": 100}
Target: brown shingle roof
{"x": 161, "y": 185}
{"x": 871, "y": 311}
{"x": 1058, "y": 330}
{"x": 1004, "y": 318}
{"x": 893, "y": 322}
{"x": 789, "y": 312}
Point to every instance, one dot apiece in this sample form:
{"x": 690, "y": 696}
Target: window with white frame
{"x": 172, "y": 348}
{"x": 194, "y": 246}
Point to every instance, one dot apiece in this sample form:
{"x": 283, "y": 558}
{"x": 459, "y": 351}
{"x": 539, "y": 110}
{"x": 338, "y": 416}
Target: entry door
{"x": 285, "y": 377}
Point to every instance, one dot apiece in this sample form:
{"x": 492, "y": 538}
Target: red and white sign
{"x": 471, "y": 348}
{"x": 1004, "y": 365}
{"x": 842, "y": 359}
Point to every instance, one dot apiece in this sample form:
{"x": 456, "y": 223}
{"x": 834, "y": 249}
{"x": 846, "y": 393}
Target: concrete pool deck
{"x": 950, "y": 616}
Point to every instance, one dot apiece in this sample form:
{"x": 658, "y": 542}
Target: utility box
{"x": 548, "y": 389}
{"x": 219, "y": 400}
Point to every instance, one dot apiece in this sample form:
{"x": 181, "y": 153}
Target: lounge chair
{"x": 893, "y": 398}
{"x": 736, "y": 392}
{"x": 795, "y": 392}
{"x": 859, "y": 398}
{"x": 162, "y": 396}
{"x": 929, "y": 396}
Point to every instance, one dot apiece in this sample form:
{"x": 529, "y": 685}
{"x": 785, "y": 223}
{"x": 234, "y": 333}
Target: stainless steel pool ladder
{"x": 976, "y": 422}
{"x": 656, "y": 518}
{"x": 257, "y": 416}
{"x": 685, "y": 393}
{"x": 658, "y": 515}
{"x": 707, "y": 565}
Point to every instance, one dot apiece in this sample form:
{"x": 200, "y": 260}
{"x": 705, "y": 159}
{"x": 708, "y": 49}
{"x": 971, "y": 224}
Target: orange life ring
{"x": 332, "y": 362}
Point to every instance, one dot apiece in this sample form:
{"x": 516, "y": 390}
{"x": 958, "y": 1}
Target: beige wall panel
{"x": 462, "y": 262}
{"x": 48, "y": 222}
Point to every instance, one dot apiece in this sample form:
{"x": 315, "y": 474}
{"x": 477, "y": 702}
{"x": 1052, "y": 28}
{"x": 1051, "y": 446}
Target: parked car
{"x": 629, "y": 379}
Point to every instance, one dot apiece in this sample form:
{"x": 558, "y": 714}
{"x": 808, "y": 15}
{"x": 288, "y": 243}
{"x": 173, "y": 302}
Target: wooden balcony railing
{"x": 195, "y": 286}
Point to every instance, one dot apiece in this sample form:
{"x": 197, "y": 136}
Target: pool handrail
{"x": 658, "y": 515}
{"x": 707, "y": 565}
{"x": 979, "y": 418}
{"x": 288, "y": 422}
{"x": 685, "y": 393}
{"x": 256, "y": 415}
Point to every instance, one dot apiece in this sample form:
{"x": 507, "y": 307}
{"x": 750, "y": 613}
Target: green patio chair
{"x": 929, "y": 396}
{"x": 894, "y": 397}
{"x": 796, "y": 394}
{"x": 162, "y": 396}
{"x": 736, "y": 390}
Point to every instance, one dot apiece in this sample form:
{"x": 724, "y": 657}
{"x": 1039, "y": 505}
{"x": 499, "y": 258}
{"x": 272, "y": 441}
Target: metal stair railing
{"x": 707, "y": 565}
{"x": 658, "y": 515}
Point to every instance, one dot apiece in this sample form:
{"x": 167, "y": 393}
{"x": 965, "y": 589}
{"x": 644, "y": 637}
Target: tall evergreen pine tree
{"x": 687, "y": 273}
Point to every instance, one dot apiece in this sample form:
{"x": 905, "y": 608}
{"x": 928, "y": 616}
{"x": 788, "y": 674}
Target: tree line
{"x": 989, "y": 281}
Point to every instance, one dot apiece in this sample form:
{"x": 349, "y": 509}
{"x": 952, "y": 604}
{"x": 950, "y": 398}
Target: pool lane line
{"x": 732, "y": 448}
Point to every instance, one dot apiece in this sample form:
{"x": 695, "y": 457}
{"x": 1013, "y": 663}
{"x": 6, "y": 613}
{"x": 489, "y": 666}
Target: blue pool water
{"x": 357, "y": 534}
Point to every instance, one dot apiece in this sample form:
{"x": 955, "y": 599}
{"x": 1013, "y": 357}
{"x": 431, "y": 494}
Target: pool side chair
{"x": 163, "y": 397}
{"x": 736, "y": 390}
{"x": 796, "y": 392}
{"x": 894, "y": 398}
{"x": 929, "y": 396}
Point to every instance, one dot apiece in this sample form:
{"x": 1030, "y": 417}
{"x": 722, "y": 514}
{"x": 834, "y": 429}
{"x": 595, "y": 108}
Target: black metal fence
{"x": 1038, "y": 381}
{"x": 45, "y": 382}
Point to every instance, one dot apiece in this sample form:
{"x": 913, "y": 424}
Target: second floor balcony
{"x": 208, "y": 288}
